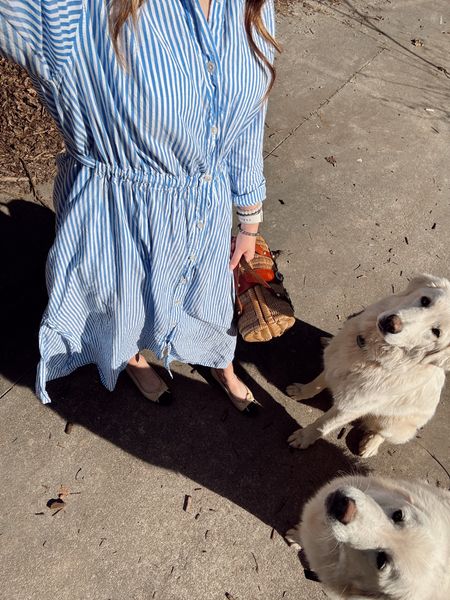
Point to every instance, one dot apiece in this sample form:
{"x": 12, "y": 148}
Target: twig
{"x": 187, "y": 502}
{"x": 33, "y": 188}
{"x": 256, "y": 562}
{"x": 12, "y": 179}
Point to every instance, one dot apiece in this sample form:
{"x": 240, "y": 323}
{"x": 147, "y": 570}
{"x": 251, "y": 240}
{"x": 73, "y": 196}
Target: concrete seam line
{"x": 326, "y": 101}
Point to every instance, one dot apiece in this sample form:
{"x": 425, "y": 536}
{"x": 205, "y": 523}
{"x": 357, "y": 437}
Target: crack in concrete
{"x": 326, "y": 101}
{"x": 13, "y": 385}
{"x": 9, "y": 389}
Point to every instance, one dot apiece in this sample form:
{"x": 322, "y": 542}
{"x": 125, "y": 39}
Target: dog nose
{"x": 391, "y": 324}
{"x": 340, "y": 507}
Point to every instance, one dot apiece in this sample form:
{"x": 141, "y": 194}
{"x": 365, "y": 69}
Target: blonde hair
{"x": 122, "y": 10}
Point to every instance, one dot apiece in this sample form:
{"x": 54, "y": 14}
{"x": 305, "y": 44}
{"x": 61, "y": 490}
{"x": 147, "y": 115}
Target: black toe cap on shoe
{"x": 252, "y": 410}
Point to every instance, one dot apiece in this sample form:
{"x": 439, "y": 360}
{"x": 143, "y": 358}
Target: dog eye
{"x": 436, "y": 332}
{"x": 382, "y": 560}
{"x": 398, "y": 516}
{"x": 425, "y": 301}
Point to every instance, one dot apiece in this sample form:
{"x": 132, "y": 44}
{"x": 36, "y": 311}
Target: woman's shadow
{"x": 200, "y": 435}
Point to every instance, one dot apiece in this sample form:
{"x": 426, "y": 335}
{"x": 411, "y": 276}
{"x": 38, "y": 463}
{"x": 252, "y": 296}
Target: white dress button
{"x": 214, "y": 130}
{"x": 207, "y": 177}
{"x": 200, "y": 224}
{"x": 192, "y": 257}
{"x": 210, "y": 66}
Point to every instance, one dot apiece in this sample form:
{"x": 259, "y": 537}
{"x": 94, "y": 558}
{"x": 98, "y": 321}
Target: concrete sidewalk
{"x": 189, "y": 502}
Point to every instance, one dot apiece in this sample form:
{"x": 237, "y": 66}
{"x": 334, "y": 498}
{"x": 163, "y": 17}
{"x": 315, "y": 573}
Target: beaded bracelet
{"x": 247, "y": 232}
{"x": 247, "y": 213}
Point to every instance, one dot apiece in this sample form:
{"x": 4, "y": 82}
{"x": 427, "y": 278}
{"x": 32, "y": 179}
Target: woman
{"x": 161, "y": 104}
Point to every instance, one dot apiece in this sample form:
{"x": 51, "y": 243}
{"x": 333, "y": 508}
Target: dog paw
{"x": 369, "y": 445}
{"x": 302, "y": 439}
{"x": 296, "y": 391}
{"x": 291, "y": 537}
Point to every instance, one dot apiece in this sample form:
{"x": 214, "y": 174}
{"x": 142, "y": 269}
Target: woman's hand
{"x": 244, "y": 245}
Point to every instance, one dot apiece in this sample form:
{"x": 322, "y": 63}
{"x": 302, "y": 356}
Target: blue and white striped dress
{"x": 157, "y": 153}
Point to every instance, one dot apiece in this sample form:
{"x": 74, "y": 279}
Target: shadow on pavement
{"x": 419, "y": 97}
{"x": 371, "y": 21}
{"x": 200, "y": 436}
{"x": 26, "y": 234}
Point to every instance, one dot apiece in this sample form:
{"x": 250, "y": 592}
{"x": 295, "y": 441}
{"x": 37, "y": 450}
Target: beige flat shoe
{"x": 247, "y": 406}
{"x": 162, "y": 395}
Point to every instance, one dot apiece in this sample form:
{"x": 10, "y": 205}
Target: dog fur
{"x": 386, "y": 368}
{"x": 368, "y": 537}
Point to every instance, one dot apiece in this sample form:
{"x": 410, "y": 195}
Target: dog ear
{"x": 425, "y": 280}
{"x": 439, "y": 358}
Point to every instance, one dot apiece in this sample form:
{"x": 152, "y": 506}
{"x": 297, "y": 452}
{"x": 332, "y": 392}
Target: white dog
{"x": 386, "y": 367}
{"x": 375, "y": 538}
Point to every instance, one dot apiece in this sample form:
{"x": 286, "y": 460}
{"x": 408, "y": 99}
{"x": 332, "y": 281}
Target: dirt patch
{"x": 29, "y": 140}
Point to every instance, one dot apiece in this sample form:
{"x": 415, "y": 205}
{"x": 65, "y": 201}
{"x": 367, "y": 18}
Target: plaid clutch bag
{"x": 263, "y": 307}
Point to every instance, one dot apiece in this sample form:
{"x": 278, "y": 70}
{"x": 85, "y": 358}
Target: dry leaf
{"x": 56, "y": 503}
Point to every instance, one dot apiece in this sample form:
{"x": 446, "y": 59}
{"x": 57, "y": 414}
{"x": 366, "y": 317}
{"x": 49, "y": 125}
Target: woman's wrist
{"x": 248, "y": 229}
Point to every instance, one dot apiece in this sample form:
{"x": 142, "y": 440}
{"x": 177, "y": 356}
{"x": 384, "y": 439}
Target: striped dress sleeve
{"x": 39, "y": 34}
{"x": 248, "y": 185}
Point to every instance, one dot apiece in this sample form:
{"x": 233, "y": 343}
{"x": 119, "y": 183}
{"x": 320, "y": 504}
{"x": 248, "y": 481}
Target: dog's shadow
{"x": 201, "y": 435}
{"x": 296, "y": 357}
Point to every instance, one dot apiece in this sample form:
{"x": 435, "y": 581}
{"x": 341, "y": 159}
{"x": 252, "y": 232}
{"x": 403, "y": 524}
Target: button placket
{"x": 210, "y": 42}
{"x": 214, "y": 130}
{"x": 177, "y": 304}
